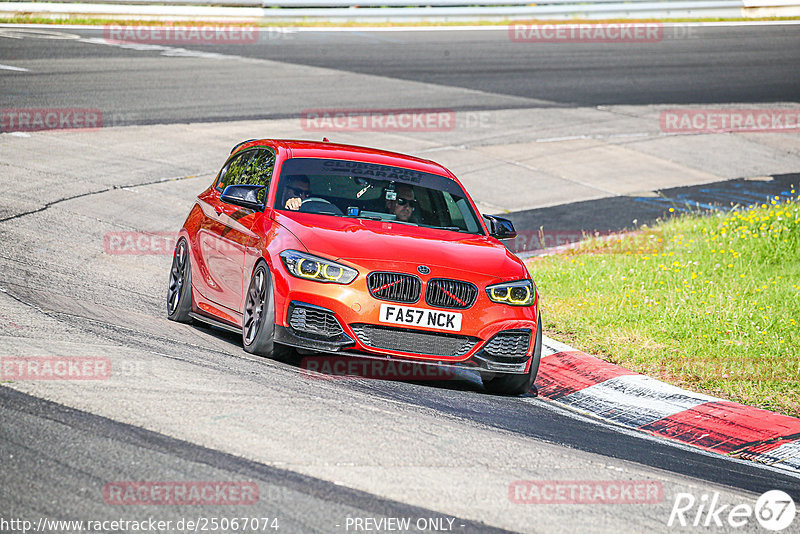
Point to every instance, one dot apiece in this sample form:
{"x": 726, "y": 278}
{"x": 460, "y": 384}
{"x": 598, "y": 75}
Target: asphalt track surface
{"x": 689, "y": 65}
{"x": 320, "y": 451}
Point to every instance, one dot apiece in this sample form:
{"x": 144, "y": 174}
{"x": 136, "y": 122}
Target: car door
{"x": 225, "y": 234}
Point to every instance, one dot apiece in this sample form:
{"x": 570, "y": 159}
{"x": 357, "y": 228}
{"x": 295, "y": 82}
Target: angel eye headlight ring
{"x": 516, "y": 293}
{"x": 310, "y": 267}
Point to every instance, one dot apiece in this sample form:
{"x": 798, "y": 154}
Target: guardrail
{"x": 399, "y": 10}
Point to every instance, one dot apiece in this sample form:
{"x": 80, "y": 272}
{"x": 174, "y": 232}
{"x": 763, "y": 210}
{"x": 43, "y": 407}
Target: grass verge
{"x": 706, "y": 302}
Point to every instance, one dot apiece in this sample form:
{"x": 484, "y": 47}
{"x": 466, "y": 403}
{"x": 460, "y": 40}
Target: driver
{"x": 405, "y": 203}
{"x": 298, "y": 189}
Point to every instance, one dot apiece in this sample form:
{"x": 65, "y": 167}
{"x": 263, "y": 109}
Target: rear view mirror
{"x": 245, "y": 196}
{"x": 500, "y": 227}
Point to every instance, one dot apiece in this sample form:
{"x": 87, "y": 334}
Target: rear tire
{"x": 519, "y": 384}
{"x": 258, "y": 318}
{"x": 179, "y": 292}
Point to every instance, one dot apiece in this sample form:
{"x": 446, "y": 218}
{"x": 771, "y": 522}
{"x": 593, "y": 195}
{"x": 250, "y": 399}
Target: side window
{"x": 456, "y": 219}
{"x": 232, "y": 172}
{"x": 252, "y": 167}
{"x": 465, "y": 216}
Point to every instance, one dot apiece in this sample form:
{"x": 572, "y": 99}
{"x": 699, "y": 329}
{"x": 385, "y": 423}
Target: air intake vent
{"x": 315, "y": 321}
{"x": 413, "y": 341}
{"x": 394, "y": 287}
{"x": 511, "y": 346}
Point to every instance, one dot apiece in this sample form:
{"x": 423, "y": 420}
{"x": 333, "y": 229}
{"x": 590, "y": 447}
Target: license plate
{"x": 406, "y": 315}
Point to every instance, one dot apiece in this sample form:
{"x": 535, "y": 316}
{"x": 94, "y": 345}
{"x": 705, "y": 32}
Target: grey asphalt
{"x": 690, "y": 65}
{"x": 193, "y": 405}
{"x": 40, "y": 441}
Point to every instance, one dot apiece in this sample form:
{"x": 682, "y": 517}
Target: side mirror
{"x": 245, "y": 196}
{"x": 500, "y": 228}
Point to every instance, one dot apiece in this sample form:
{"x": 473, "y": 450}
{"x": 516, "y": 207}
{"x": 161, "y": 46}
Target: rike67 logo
{"x": 775, "y": 510}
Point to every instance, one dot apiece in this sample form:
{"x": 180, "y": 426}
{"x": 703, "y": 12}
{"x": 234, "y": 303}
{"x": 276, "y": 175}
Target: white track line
{"x": 634, "y": 400}
{"x": 9, "y": 67}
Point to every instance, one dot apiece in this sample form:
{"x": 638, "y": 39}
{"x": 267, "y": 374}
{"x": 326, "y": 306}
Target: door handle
{"x": 219, "y": 209}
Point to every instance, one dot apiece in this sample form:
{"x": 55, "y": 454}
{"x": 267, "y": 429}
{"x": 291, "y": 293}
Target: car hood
{"x": 387, "y": 243}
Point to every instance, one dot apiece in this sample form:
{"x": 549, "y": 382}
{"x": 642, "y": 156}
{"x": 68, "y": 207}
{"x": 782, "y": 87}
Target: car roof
{"x": 325, "y": 149}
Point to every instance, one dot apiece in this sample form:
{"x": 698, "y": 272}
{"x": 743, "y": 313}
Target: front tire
{"x": 519, "y": 384}
{"x": 258, "y": 319}
{"x": 179, "y": 292}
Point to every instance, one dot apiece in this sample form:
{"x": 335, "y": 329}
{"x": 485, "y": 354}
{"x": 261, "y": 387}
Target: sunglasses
{"x": 305, "y": 193}
{"x": 405, "y": 201}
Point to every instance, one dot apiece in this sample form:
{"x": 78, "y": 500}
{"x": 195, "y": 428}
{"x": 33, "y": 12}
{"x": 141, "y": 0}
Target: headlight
{"x": 519, "y": 293}
{"x": 310, "y": 267}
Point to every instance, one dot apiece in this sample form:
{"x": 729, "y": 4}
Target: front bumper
{"x": 507, "y": 349}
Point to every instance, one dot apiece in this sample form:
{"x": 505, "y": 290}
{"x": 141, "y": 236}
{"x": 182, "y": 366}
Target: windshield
{"x": 372, "y": 191}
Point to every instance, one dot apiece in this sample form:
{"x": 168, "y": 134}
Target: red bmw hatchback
{"x": 355, "y": 251}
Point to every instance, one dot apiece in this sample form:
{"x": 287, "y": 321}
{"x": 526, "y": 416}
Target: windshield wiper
{"x": 377, "y": 218}
{"x": 451, "y": 228}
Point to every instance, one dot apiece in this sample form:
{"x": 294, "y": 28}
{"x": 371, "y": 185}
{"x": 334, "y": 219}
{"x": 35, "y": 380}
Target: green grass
{"x": 707, "y": 302}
